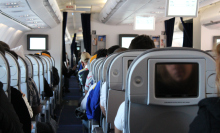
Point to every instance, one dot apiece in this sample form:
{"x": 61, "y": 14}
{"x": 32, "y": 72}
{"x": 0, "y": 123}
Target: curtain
{"x": 187, "y": 34}
{"x": 63, "y": 37}
{"x": 86, "y": 27}
{"x": 73, "y": 47}
{"x": 169, "y": 27}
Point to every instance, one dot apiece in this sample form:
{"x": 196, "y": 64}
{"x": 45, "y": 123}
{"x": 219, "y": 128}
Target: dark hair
{"x": 5, "y": 45}
{"x": 2, "y": 49}
{"x": 101, "y": 53}
{"x": 120, "y": 50}
{"x": 112, "y": 49}
{"x": 14, "y": 54}
{"x": 46, "y": 52}
{"x": 142, "y": 42}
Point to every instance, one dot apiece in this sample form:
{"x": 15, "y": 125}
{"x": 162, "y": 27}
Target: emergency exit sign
{"x": 71, "y": 7}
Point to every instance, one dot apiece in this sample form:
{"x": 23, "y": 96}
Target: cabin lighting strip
{"x": 10, "y": 17}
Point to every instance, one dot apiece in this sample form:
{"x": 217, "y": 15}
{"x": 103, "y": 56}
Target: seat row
{"x": 161, "y": 88}
{"x": 16, "y": 72}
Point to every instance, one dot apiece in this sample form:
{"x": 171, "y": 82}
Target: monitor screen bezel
{"x": 29, "y": 36}
{"x": 125, "y": 35}
{"x": 167, "y": 9}
{"x": 152, "y": 99}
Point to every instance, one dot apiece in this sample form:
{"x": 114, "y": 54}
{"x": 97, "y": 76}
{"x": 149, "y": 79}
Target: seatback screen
{"x": 176, "y": 80}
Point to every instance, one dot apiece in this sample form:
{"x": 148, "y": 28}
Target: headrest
{"x": 171, "y": 76}
{"x": 118, "y": 67}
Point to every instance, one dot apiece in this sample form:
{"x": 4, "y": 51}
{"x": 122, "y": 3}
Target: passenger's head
{"x": 5, "y": 45}
{"x": 101, "y": 53}
{"x": 85, "y": 56}
{"x": 120, "y": 50}
{"x": 45, "y": 53}
{"x": 2, "y": 49}
{"x": 142, "y": 42}
{"x": 112, "y": 49}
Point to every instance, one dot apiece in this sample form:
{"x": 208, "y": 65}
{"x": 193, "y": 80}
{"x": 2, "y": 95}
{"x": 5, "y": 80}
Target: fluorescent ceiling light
{"x": 182, "y": 8}
{"x": 144, "y": 23}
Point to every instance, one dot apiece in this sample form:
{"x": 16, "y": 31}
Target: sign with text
{"x": 70, "y": 7}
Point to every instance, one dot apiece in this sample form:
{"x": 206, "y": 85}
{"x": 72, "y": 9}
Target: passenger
{"x": 93, "y": 101}
{"x": 100, "y": 53}
{"x": 85, "y": 56}
{"x": 139, "y": 42}
{"x": 103, "y": 89}
{"x": 18, "y": 101}
{"x": 89, "y": 81}
{"x": 208, "y": 116}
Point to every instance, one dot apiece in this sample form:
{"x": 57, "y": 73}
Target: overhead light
{"x": 72, "y": 13}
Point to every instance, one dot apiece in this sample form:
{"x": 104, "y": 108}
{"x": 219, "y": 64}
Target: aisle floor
{"x": 67, "y": 121}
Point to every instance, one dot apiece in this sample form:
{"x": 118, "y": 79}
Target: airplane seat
{"x": 50, "y": 82}
{"x": 211, "y": 52}
{"x": 94, "y": 67}
{"x": 53, "y": 61}
{"x": 163, "y": 88}
{"x": 115, "y": 80}
{"x": 24, "y": 75}
{"x": 5, "y": 75}
{"x": 32, "y": 60}
{"x": 91, "y": 64}
{"x": 97, "y": 68}
{"x": 14, "y": 70}
{"x": 99, "y": 77}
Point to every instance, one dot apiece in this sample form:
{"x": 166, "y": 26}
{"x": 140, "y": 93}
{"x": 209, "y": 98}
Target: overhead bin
{"x": 210, "y": 17}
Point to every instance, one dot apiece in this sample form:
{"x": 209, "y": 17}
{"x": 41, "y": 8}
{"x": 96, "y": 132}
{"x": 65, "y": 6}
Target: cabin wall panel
{"x": 207, "y": 38}
{"x": 112, "y": 31}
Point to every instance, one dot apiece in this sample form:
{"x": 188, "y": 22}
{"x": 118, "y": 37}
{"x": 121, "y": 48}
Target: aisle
{"x": 68, "y": 123}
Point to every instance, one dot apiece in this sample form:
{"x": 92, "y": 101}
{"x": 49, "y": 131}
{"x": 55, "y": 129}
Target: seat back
{"x": 36, "y": 70}
{"x": 105, "y": 66}
{"x": 53, "y": 61}
{"x": 5, "y": 75}
{"x": 94, "y": 67}
{"x": 49, "y": 69}
{"x": 45, "y": 67}
{"x": 211, "y": 53}
{"x": 163, "y": 88}
{"x": 92, "y": 64}
{"x": 24, "y": 75}
{"x": 116, "y": 73}
{"x": 100, "y": 70}
{"x": 98, "y": 65}
{"x": 41, "y": 73}
{"x": 14, "y": 70}
{"x": 30, "y": 67}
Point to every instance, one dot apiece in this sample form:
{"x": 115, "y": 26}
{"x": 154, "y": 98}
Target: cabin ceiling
{"x": 30, "y": 13}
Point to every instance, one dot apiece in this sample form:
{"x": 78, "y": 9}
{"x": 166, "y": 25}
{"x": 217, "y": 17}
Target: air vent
{"x": 18, "y": 11}
{"x": 10, "y": 17}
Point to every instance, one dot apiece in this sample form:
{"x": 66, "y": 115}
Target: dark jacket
{"x": 208, "y": 118}
{"x": 21, "y": 109}
{"x": 9, "y": 121}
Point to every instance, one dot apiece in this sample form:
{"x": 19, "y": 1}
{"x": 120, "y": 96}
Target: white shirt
{"x": 84, "y": 101}
{"x": 88, "y": 81}
{"x": 103, "y": 95}
{"x": 119, "y": 119}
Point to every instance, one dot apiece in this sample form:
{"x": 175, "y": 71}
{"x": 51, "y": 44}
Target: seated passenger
{"x": 103, "y": 89}
{"x": 85, "y": 56}
{"x": 139, "y": 42}
{"x": 89, "y": 81}
{"x": 207, "y": 119}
